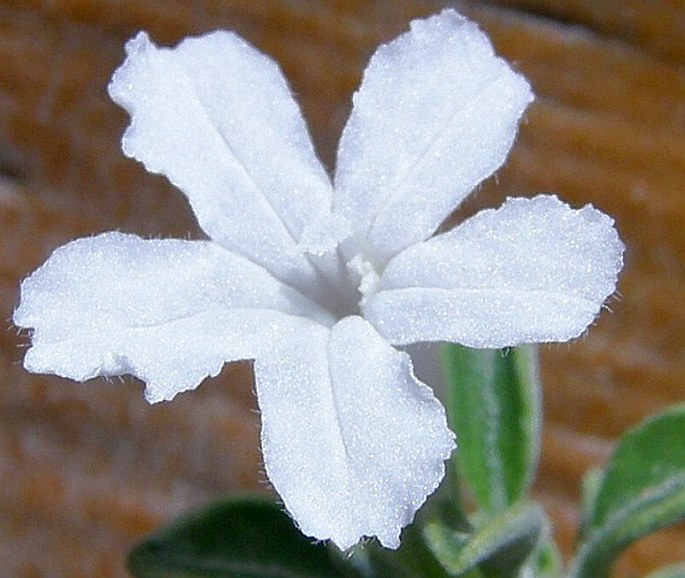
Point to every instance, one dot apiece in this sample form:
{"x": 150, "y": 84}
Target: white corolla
{"x": 316, "y": 281}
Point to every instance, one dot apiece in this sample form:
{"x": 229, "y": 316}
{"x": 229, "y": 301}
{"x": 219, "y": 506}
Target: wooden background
{"x": 86, "y": 469}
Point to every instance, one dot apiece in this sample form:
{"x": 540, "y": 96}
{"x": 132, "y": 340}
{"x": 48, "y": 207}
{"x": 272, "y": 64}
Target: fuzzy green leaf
{"x": 241, "y": 538}
{"x": 498, "y": 548}
{"x": 493, "y": 401}
{"x": 592, "y": 481}
{"x": 411, "y": 560}
{"x": 546, "y": 562}
{"x": 641, "y": 491}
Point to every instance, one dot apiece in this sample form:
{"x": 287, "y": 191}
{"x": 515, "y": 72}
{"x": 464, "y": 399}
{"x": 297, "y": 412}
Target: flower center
{"x": 363, "y": 275}
{"x": 353, "y": 279}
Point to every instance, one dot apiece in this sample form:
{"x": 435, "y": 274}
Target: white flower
{"x": 318, "y": 282}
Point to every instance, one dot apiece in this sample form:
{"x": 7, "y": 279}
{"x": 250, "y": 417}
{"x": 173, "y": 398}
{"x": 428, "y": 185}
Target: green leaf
{"x": 546, "y": 562}
{"x": 239, "y": 538}
{"x": 641, "y": 491}
{"x": 493, "y": 405}
{"x": 592, "y": 481}
{"x": 497, "y": 549}
{"x": 411, "y": 560}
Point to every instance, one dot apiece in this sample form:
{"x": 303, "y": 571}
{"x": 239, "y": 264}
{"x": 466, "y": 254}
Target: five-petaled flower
{"x": 320, "y": 283}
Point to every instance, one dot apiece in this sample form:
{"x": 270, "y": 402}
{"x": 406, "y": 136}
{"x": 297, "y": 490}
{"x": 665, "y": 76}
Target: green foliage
{"x": 641, "y": 491}
{"x": 413, "y": 559}
{"x": 239, "y": 538}
{"x": 497, "y": 549}
{"x": 545, "y": 562}
{"x": 493, "y": 403}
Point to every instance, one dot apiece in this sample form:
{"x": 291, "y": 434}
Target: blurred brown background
{"x": 86, "y": 469}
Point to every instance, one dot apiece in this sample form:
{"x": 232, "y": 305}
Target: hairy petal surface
{"x": 169, "y": 312}
{"x": 436, "y": 113}
{"x": 352, "y": 441}
{"x": 216, "y": 117}
{"x": 534, "y": 270}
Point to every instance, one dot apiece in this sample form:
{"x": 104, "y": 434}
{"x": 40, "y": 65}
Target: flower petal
{"x": 436, "y": 113}
{"x": 534, "y": 270}
{"x": 352, "y": 441}
{"x": 169, "y": 312}
{"x": 217, "y": 118}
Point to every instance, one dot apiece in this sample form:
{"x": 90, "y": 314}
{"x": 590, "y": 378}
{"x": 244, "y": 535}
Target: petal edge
{"x": 533, "y": 270}
{"x": 449, "y": 107}
{"x": 170, "y": 312}
{"x": 332, "y": 437}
